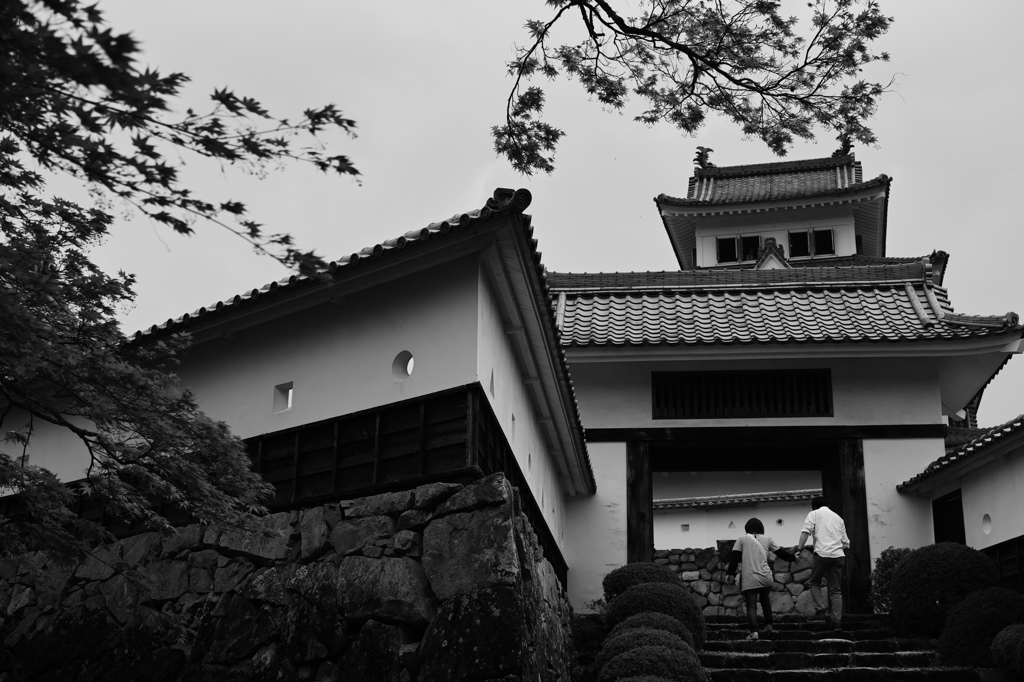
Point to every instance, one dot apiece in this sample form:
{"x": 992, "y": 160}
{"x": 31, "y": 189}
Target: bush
{"x": 624, "y": 577}
{"x": 973, "y": 624}
{"x": 881, "y": 578}
{"x": 1008, "y": 648}
{"x": 929, "y": 581}
{"x": 672, "y": 600}
{"x": 677, "y": 665}
{"x": 654, "y": 621}
{"x": 634, "y": 639}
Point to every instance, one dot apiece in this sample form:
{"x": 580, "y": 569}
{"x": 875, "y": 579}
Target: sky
{"x": 425, "y": 82}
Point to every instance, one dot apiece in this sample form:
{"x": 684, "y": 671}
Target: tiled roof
{"x": 970, "y": 450}
{"x": 875, "y": 269}
{"x": 774, "y": 182}
{"x": 806, "y": 305}
{"x": 503, "y": 201}
{"x": 742, "y": 499}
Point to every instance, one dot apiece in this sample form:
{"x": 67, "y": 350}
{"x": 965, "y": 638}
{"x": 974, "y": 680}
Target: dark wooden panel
{"x": 639, "y": 503}
{"x": 741, "y": 394}
{"x": 756, "y": 434}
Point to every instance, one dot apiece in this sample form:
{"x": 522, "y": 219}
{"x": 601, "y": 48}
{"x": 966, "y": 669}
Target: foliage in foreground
{"x": 73, "y": 100}
{"x": 1008, "y": 648}
{"x": 671, "y": 600}
{"x": 973, "y": 624}
{"x": 881, "y": 578}
{"x": 741, "y": 59}
{"x": 624, "y": 577}
{"x": 634, "y": 639}
{"x": 654, "y": 621}
{"x": 929, "y": 581}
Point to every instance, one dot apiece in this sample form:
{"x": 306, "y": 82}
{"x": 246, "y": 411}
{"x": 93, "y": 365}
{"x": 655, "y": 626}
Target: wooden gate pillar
{"x": 846, "y": 494}
{"x": 639, "y": 503}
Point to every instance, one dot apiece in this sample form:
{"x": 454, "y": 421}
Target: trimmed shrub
{"x": 1008, "y": 648}
{"x": 634, "y": 639}
{"x": 624, "y": 577}
{"x": 677, "y": 665}
{"x": 672, "y": 600}
{"x": 881, "y": 578}
{"x": 654, "y": 621}
{"x": 929, "y": 581}
{"x": 973, "y": 624}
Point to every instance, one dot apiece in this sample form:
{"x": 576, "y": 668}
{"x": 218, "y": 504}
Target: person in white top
{"x": 828, "y": 537}
{"x": 756, "y": 578}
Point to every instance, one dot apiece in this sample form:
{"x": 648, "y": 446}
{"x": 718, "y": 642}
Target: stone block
{"x": 392, "y": 504}
{"x": 712, "y": 611}
{"x": 139, "y": 549}
{"x": 689, "y": 576}
{"x": 795, "y": 589}
{"x": 268, "y": 539}
{"x": 730, "y": 589}
{"x": 315, "y": 583}
{"x": 227, "y": 577}
{"x": 700, "y": 601}
{"x": 674, "y": 559}
{"x": 807, "y": 605}
{"x": 784, "y": 578}
{"x": 99, "y": 563}
{"x": 714, "y": 598}
{"x": 477, "y": 636}
{"x": 387, "y": 589}
{"x": 713, "y": 563}
{"x": 661, "y": 562}
{"x": 408, "y": 543}
{"x": 189, "y": 537}
{"x": 200, "y": 581}
{"x": 268, "y": 585}
{"x": 732, "y": 600}
{"x": 466, "y": 552}
{"x": 701, "y": 587}
{"x": 121, "y": 597}
{"x": 705, "y": 574}
{"x": 802, "y": 576}
{"x": 351, "y": 535}
{"x": 782, "y": 602}
{"x": 688, "y": 566}
{"x": 373, "y": 552}
{"x": 206, "y": 558}
{"x": 804, "y": 560}
{"x": 428, "y": 497}
{"x": 662, "y": 554}
{"x": 487, "y": 492}
{"x": 167, "y": 579}
{"x": 21, "y": 596}
{"x": 375, "y": 654}
{"x": 313, "y": 531}
{"x": 414, "y": 519}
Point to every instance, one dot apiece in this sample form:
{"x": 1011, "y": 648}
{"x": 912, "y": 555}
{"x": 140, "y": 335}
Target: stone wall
{"x": 702, "y": 571}
{"x": 442, "y": 582}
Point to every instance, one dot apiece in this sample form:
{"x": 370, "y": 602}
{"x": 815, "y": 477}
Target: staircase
{"x": 865, "y": 650}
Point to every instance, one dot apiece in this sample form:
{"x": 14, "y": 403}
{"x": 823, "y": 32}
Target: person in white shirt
{"x": 828, "y": 537}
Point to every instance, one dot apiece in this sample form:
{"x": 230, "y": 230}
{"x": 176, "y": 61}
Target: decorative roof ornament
{"x": 702, "y": 160}
{"x": 771, "y": 256}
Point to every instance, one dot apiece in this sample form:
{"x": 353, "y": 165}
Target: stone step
{"x": 733, "y": 634}
{"x": 768, "y": 643}
{"x": 801, "y": 660}
{"x": 854, "y": 674}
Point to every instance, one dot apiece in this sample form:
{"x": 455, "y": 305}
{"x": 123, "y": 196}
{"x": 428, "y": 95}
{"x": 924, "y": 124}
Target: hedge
{"x": 671, "y": 600}
{"x": 677, "y": 665}
{"x": 624, "y": 577}
{"x": 973, "y": 624}
{"x": 929, "y": 581}
{"x": 656, "y": 621}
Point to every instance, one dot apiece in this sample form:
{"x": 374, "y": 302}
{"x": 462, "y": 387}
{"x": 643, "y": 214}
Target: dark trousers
{"x": 752, "y": 597}
{"x": 831, "y": 568}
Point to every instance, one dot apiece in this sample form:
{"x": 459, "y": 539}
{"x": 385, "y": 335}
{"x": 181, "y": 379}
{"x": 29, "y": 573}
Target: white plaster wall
{"x": 775, "y": 224}
{"x": 498, "y": 367}
{"x": 865, "y": 392}
{"x": 996, "y": 489}
{"x": 339, "y": 357}
{"x": 896, "y": 520}
{"x": 707, "y": 526}
{"x": 596, "y": 526}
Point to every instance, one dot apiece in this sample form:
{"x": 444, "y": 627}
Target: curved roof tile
{"x": 970, "y": 450}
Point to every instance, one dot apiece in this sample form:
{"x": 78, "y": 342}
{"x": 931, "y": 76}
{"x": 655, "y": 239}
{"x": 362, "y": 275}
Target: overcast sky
{"x": 426, "y": 81}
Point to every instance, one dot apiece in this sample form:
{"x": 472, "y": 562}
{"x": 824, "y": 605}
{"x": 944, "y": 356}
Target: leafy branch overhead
{"x": 74, "y": 101}
{"x": 688, "y": 59}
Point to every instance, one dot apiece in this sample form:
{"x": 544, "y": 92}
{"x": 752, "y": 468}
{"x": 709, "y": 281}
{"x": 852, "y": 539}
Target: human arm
{"x": 803, "y": 541}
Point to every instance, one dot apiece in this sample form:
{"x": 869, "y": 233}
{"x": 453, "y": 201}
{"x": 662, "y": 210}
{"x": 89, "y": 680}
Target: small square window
{"x": 684, "y": 528}
{"x": 798, "y": 245}
{"x": 751, "y": 246}
{"x": 283, "y": 394}
{"x": 727, "y": 250}
{"x": 823, "y": 245}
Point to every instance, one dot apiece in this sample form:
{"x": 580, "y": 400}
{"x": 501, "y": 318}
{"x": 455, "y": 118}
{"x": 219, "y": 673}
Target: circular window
{"x": 403, "y": 365}
{"x": 779, "y": 522}
{"x": 986, "y": 524}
